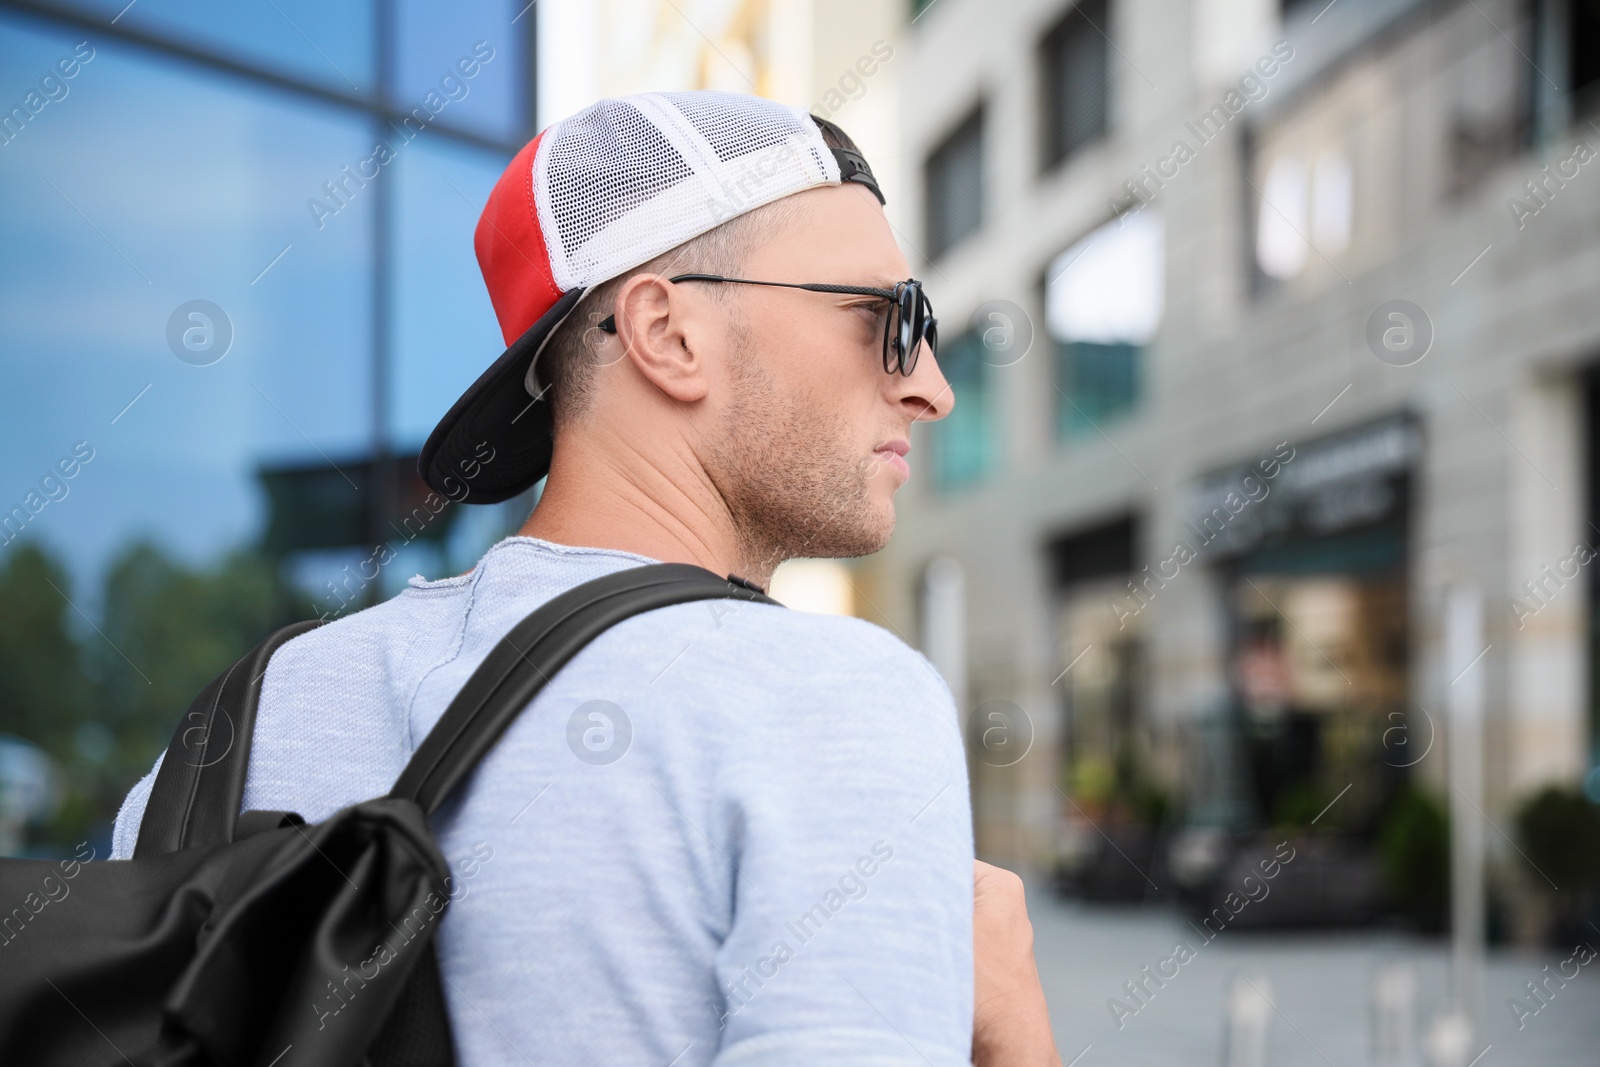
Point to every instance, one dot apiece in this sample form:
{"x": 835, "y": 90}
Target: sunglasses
{"x": 909, "y": 324}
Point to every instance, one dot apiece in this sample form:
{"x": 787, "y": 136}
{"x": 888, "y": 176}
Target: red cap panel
{"x": 511, "y": 249}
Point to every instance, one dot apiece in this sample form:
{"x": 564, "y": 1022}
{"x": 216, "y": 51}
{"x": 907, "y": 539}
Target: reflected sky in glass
{"x": 310, "y": 40}
{"x": 445, "y": 333}
{"x": 146, "y": 187}
{"x": 334, "y": 45}
{"x": 431, "y": 40}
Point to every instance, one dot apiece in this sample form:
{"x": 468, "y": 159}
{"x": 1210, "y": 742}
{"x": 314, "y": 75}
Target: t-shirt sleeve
{"x": 125, "y": 831}
{"x": 850, "y": 828}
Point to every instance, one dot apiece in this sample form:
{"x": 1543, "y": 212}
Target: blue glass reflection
{"x": 142, "y": 190}
{"x": 963, "y": 442}
{"x": 444, "y": 329}
{"x": 445, "y": 333}
{"x": 470, "y": 56}
{"x": 331, "y": 44}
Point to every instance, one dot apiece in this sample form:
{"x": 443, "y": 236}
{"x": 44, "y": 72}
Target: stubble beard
{"x": 792, "y": 487}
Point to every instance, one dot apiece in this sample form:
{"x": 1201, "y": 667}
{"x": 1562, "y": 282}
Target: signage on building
{"x": 1352, "y": 479}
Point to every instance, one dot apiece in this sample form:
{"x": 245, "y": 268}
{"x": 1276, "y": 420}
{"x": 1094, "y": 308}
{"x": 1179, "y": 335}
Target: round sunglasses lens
{"x": 927, "y": 327}
{"x": 891, "y": 328}
{"x": 910, "y": 325}
{"x": 926, "y": 335}
{"x": 893, "y": 332}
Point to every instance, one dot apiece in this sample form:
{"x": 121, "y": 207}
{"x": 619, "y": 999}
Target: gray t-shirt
{"x": 725, "y": 833}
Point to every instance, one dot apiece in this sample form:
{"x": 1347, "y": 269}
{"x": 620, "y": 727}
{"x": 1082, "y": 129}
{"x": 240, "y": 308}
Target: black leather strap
{"x": 518, "y": 667}
{"x": 853, "y": 168}
{"x": 260, "y": 821}
{"x": 196, "y": 796}
{"x": 853, "y": 165}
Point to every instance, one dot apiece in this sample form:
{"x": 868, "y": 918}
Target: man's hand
{"x": 1011, "y": 1025}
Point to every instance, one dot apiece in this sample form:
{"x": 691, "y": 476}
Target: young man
{"x": 726, "y": 832}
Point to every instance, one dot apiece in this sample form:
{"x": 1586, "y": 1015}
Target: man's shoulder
{"x": 769, "y": 682}
{"x": 396, "y": 636}
{"x": 753, "y": 637}
{"x": 846, "y": 636}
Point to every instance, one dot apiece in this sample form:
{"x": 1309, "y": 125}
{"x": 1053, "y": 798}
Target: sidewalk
{"x": 1319, "y": 983}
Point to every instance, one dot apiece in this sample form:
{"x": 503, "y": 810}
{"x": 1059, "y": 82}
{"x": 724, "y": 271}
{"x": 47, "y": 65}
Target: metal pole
{"x": 1464, "y": 659}
{"x": 944, "y": 624}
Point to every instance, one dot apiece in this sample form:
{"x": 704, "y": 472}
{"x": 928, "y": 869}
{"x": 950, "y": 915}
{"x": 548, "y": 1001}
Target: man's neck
{"x": 598, "y": 505}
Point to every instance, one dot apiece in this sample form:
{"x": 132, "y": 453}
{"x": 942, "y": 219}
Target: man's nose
{"x": 924, "y": 392}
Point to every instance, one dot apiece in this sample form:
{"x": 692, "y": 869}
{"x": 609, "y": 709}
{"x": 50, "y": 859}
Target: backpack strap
{"x": 517, "y": 668}
{"x": 196, "y": 796}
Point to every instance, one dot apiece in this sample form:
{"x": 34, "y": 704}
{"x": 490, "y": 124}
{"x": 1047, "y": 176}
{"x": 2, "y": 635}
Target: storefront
{"x": 1111, "y": 804}
{"x": 1307, "y": 547}
{"x": 1312, "y": 563}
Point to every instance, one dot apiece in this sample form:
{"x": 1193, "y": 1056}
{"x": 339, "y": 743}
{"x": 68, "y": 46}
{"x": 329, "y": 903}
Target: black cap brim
{"x": 496, "y": 440}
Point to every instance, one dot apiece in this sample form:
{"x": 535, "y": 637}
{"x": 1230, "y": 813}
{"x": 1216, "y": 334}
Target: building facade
{"x": 1271, "y": 331}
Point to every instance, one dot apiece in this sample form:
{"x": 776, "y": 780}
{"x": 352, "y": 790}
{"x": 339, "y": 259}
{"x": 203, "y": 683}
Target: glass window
{"x": 178, "y": 317}
{"x": 1583, "y": 54}
{"x": 954, "y": 179}
{"x": 1076, "y": 84}
{"x": 469, "y": 57}
{"x": 1331, "y": 202}
{"x": 1104, "y": 298}
{"x": 330, "y": 44}
{"x": 209, "y": 204}
{"x": 444, "y": 335}
{"x": 963, "y": 440}
{"x": 190, "y": 290}
{"x": 1106, "y": 771}
{"x": 1303, "y": 209}
{"x": 1319, "y": 666}
{"x": 444, "y": 327}
{"x": 1100, "y": 381}
{"x": 1281, "y": 247}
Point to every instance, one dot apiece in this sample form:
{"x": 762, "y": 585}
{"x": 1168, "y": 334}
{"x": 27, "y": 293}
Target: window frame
{"x": 973, "y": 122}
{"x": 1053, "y": 153}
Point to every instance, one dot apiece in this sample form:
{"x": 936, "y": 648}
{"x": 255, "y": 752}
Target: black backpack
{"x": 255, "y": 940}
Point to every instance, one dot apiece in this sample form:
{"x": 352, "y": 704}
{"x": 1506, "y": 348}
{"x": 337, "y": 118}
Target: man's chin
{"x": 882, "y": 530}
{"x": 864, "y": 539}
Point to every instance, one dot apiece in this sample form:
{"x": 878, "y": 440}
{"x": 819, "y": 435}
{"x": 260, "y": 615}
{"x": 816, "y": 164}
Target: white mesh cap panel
{"x": 627, "y": 178}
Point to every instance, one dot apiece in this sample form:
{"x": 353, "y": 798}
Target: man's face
{"x": 807, "y": 453}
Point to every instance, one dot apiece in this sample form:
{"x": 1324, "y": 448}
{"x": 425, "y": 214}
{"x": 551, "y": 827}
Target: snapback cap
{"x": 592, "y": 196}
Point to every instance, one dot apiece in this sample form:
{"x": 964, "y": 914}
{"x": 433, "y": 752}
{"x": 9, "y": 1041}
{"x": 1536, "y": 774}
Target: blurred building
{"x": 1268, "y": 324}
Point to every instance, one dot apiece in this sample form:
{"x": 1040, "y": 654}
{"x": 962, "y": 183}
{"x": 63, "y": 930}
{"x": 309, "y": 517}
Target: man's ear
{"x": 656, "y": 322}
